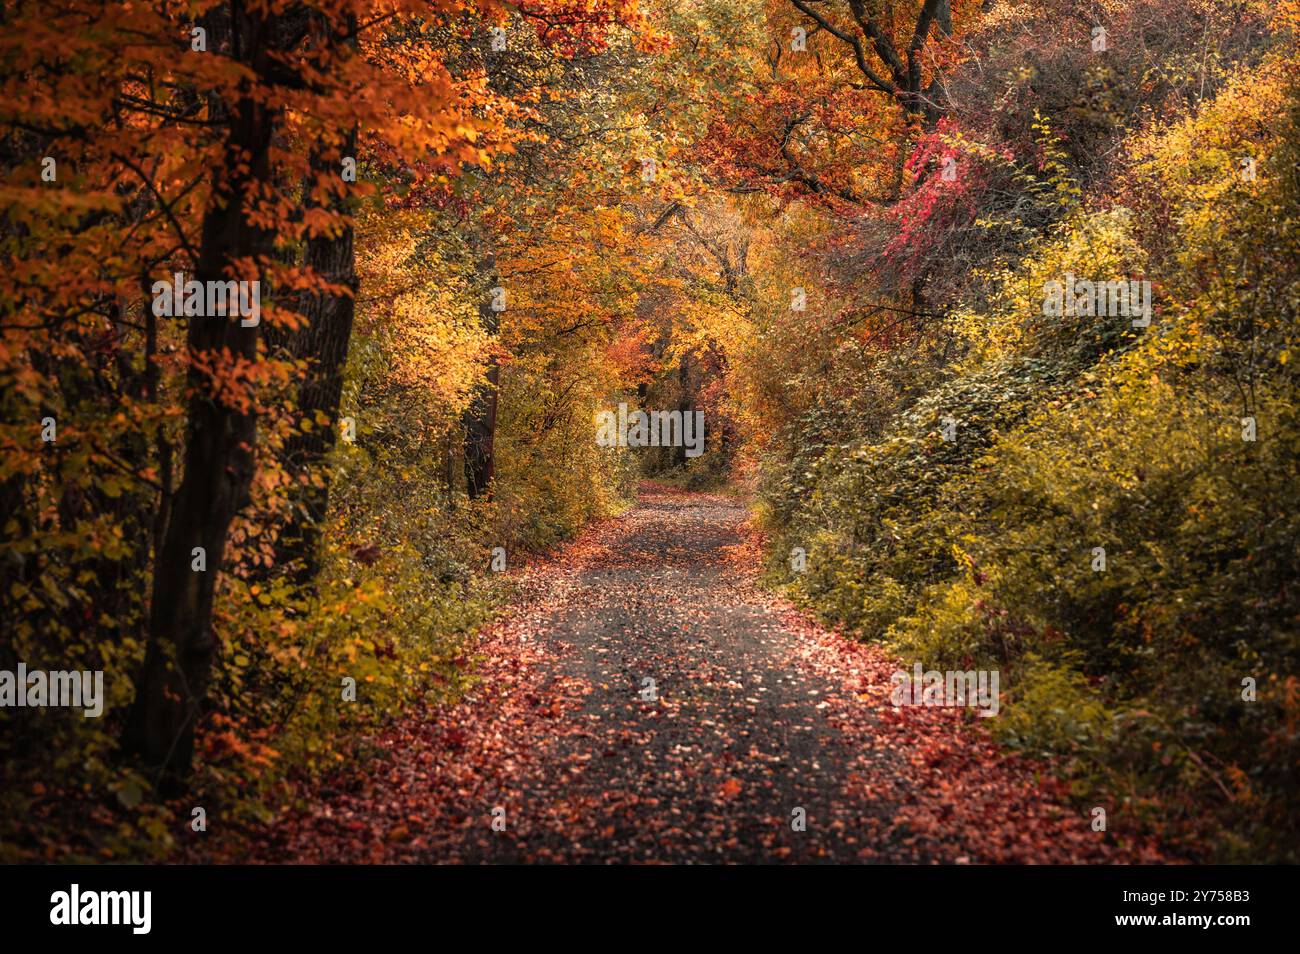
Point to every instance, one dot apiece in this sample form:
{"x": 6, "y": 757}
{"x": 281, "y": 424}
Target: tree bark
{"x": 323, "y": 343}
{"x": 480, "y": 418}
{"x": 218, "y": 452}
{"x": 685, "y": 404}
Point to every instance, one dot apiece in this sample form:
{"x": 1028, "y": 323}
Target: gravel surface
{"x": 759, "y": 717}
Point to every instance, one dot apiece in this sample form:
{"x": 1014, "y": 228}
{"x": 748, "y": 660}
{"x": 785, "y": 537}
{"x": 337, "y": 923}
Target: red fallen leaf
{"x": 455, "y": 738}
{"x": 730, "y": 788}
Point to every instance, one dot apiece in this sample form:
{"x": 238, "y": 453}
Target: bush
{"x": 1076, "y": 434}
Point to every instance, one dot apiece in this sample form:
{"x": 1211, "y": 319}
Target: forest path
{"x": 757, "y": 713}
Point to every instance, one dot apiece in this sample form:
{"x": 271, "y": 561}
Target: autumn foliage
{"x": 471, "y": 226}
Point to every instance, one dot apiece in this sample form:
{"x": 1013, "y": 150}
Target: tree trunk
{"x": 217, "y": 457}
{"x": 480, "y": 418}
{"x": 685, "y": 402}
{"x": 324, "y": 344}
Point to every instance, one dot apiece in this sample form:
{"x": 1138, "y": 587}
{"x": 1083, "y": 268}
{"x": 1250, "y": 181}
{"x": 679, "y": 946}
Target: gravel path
{"x": 758, "y": 718}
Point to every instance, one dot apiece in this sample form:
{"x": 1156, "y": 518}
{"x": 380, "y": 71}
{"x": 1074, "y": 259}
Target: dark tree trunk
{"x": 324, "y": 344}
{"x": 480, "y": 433}
{"x": 685, "y": 402}
{"x": 217, "y": 457}
{"x": 480, "y": 418}
{"x": 449, "y": 465}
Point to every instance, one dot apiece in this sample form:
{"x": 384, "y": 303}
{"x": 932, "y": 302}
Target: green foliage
{"x": 1053, "y": 709}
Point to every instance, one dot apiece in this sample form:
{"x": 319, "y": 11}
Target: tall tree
{"x": 217, "y": 458}
{"x": 268, "y": 59}
{"x": 480, "y": 419}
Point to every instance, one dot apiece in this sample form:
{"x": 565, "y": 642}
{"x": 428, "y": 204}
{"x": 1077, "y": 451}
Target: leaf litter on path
{"x": 647, "y": 701}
